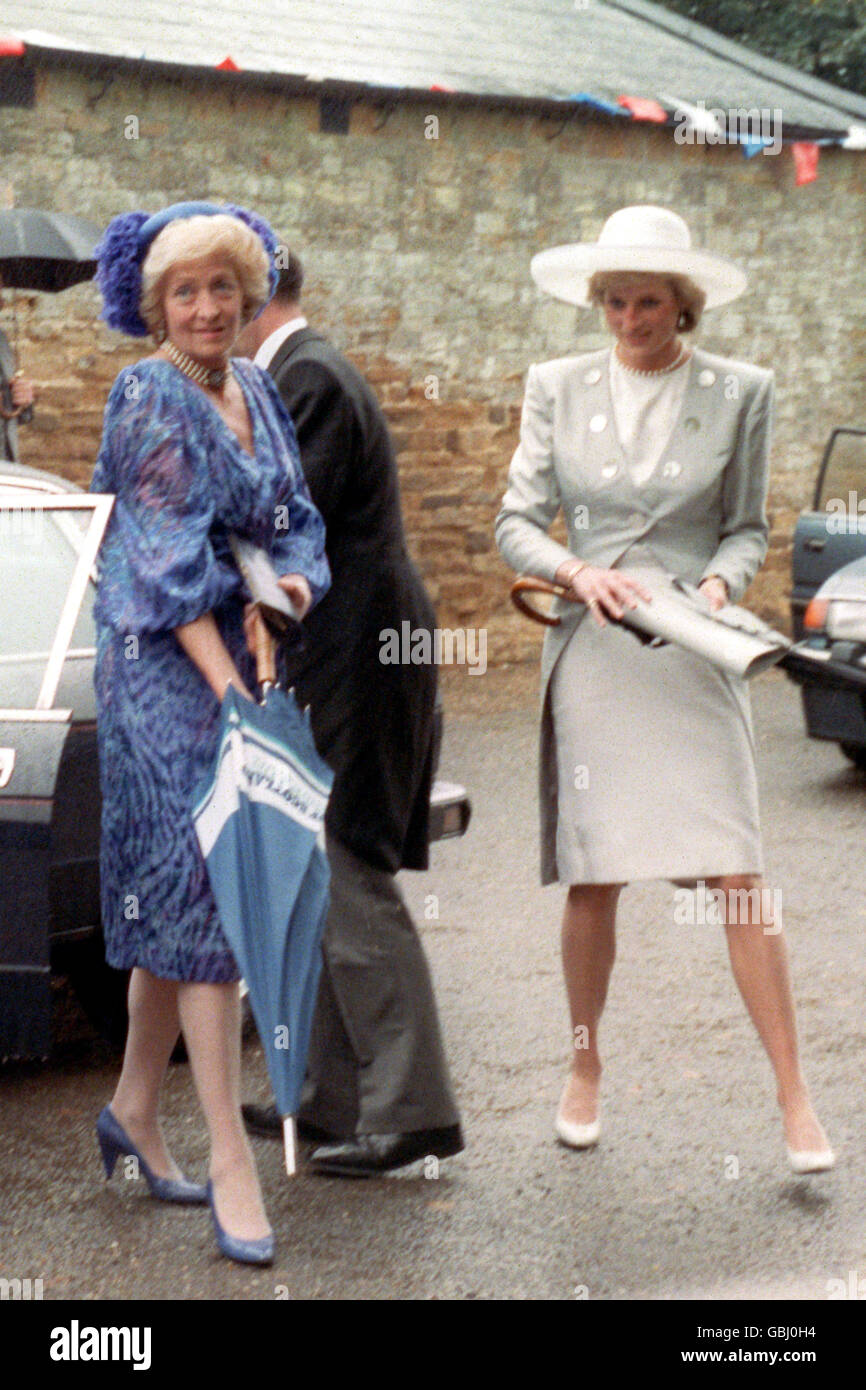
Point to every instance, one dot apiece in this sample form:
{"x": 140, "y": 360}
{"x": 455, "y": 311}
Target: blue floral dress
{"x": 182, "y": 482}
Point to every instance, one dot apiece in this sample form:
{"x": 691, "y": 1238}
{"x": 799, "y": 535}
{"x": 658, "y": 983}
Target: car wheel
{"x": 856, "y": 753}
{"x": 100, "y": 990}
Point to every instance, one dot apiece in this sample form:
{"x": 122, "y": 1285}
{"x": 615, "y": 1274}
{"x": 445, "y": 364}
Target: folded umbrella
{"x": 259, "y": 818}
{"x": 732, "y": 638}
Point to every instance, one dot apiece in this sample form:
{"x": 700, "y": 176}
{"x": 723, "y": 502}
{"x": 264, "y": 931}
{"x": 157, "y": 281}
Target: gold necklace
{"x": 212, "y": 377}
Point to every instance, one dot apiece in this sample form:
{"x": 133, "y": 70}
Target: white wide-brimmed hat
{"x": 649, "y": 239}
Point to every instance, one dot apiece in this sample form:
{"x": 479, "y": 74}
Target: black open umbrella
{"x": 45, "y": 250}
{"x": 42, "y": 250}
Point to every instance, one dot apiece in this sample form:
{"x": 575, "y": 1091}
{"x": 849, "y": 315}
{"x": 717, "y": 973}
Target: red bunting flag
{"x": 806, "y": 154}
{"x": 10, "y": 46}
{"x": 228, "y": 65}
{"x": 643, "y": 108}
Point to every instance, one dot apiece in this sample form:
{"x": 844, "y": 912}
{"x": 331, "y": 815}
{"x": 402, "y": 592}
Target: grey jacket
{"x": 702, "y": 511}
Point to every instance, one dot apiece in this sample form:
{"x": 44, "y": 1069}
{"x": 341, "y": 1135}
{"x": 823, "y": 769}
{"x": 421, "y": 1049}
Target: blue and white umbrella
{"x": 259, "y": 819}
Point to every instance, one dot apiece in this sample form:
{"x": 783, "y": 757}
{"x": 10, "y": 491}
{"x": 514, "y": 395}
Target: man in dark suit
{"x": 377, "y": 1086}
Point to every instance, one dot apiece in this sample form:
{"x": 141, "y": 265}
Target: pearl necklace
{"x": 682, "y": 356}
{"x": 214, "y": 378}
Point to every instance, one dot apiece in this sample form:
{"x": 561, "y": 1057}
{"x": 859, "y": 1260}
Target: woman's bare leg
{"x": 211, "y": 1019}
{"x": 154, "y": 1028}
{"x": 588, "y": 951}
{"x": 759, "y": 958}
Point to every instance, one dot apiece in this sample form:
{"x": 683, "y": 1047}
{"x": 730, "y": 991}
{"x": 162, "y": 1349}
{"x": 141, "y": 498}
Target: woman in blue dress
{"x": 196, "y": 445}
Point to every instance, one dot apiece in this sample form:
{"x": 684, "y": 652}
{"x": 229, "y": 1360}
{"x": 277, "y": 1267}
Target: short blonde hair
{"x": 194, "y": 239}
{"x": 690, "y": 298}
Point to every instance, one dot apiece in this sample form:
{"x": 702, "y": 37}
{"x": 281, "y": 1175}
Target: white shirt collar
{"x": 274, "y": 341}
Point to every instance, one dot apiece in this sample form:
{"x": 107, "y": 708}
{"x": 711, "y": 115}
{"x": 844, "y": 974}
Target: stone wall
{"x": 417, "y": 228}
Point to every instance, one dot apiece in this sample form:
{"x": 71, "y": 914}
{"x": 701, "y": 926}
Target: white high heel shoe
{"x": 811, "y": 1160}
{"x": 577, "y": 1136}
{"x": 573, "y": 1135}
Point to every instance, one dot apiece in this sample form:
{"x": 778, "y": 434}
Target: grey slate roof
{"x": 532, "y": 49}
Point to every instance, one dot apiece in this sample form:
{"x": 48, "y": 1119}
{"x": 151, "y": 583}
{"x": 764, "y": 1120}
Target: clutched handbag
{"x": 262, "y": 581}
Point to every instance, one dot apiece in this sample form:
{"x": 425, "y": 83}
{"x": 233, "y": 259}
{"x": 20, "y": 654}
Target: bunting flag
{"x": 805, "y": 154}
{"x": 752, "y": 147}
{"x": 228, "y": 64}
{"x": 597, "y": 104}
{"x": 644, "y": 109}
{"x": 10, "y": 46}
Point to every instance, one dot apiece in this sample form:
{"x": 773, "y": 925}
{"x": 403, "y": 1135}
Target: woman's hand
{"x": 23, "y": 392}
{"x": 204, "y": 646}
{"x": 715, "y": 591}
{"x": 298, "y": 590}
{"x": 603, "y": 591}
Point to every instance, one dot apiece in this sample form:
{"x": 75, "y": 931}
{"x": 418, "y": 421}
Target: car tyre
{"x": 855, "y": 753}
{"x": 99, "y": 989}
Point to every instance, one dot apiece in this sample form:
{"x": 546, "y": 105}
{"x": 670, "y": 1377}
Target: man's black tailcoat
{"x": 372, "y": 721}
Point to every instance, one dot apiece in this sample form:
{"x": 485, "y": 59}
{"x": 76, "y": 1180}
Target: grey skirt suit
{"x": 646, "y": 763}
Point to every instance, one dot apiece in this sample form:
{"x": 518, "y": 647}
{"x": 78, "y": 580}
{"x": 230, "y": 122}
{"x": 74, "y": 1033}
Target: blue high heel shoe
{"x": 114, "y": 1143}
{"x": 246, "y": 1252}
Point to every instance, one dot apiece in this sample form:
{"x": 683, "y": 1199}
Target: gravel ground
{"x": 688, "y": 1195}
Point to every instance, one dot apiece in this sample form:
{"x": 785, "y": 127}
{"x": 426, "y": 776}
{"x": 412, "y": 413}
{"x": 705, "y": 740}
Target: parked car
{"x": 828, "y": 602}
{"x": 50, "y": 532}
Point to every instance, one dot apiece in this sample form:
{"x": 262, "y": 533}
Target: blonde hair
{"x": 194, "y": 239}
{"x": 689, "y": 297}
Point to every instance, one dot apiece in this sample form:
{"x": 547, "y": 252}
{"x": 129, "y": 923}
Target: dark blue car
{"x": 828, "y": 603}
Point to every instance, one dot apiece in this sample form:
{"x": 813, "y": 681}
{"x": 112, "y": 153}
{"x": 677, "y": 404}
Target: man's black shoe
{"x": 266, "y": 1122}
{"x": 365, "y": 1155}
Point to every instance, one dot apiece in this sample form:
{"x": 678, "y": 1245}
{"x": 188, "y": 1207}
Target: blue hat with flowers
{"x": 121, "y": 252}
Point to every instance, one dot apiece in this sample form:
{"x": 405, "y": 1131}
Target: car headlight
{"x": 815, "y": 615}
{"x": 846, "y": 620}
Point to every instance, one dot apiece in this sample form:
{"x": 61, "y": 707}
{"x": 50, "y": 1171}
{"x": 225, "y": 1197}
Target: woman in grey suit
{"x": 657, "y": 454}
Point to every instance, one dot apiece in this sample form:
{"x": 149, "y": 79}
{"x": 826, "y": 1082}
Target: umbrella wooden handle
{"x": 266, "y": 647}
{"x": 528, "y": 584}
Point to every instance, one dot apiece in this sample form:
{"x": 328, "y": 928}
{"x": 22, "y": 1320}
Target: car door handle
{"x": 7, "y": 765}
{"x": 815, "y": 543}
